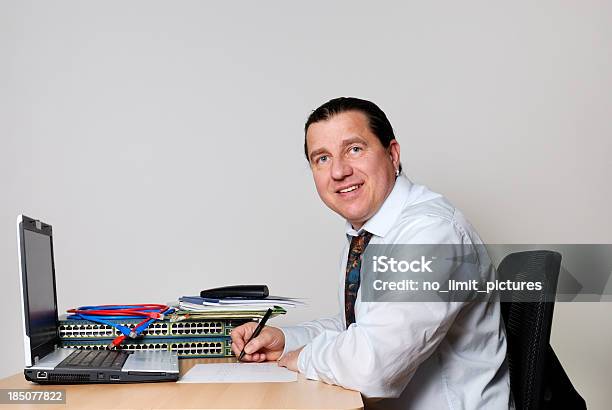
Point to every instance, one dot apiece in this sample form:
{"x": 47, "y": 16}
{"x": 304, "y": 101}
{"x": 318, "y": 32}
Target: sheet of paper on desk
{"x": 238, "y": 373}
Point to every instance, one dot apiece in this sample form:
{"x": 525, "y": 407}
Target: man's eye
{"x": 322, "y": 159}
{"x": 355, "y": 150}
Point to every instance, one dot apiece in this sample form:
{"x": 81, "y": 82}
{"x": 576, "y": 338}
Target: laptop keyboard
{"x": 95, "y": 359}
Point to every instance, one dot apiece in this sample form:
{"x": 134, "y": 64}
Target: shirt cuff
{"x": 303, "y": 363}
{"x": 295, "y": 337}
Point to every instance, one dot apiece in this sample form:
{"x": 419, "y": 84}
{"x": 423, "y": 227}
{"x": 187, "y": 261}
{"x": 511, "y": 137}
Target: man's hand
{"x": 290, "y": 360}
{"x": 269, "y": 345}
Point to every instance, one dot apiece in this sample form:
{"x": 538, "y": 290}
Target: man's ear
{"x": 394, "y": 153}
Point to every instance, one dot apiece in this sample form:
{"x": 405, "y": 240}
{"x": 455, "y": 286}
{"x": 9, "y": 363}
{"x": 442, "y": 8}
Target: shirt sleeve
{"x": 379, "y": 354}
{"x": 304, "y": 333}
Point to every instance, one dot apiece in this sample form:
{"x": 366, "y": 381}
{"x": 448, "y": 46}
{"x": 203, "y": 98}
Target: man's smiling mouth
{"x": 349, "y": 189}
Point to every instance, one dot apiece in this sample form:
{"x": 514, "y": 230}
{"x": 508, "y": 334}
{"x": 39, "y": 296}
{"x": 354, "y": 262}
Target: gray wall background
{"x": 164, "y": 141}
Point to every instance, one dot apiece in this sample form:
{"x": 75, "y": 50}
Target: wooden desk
{"x": 303, "y": 394}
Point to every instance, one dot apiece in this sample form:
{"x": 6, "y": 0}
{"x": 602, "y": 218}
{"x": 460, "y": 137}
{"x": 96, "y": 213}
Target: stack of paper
{"x": 199, "y": 304}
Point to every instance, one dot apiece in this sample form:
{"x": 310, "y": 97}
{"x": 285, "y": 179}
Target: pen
{"x": 257, "y": 331}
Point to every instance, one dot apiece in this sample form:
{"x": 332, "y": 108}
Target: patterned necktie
{"x": 353, "y": 268}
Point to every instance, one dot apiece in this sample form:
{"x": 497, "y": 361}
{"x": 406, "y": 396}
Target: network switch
{"x": 83, "y": 329}
{"x": 185, "y": 347}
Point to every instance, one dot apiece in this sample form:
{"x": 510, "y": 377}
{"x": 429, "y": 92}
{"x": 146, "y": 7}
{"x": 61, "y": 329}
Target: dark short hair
{"x": 377, "y": 120}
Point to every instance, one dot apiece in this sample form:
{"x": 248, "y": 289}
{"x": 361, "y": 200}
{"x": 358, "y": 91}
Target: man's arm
{"x": 380, "y": 353}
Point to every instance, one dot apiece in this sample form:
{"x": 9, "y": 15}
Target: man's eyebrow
{"x": 316, "y": 152}
{"x": 353, "y": 140}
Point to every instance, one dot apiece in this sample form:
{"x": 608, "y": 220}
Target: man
{"x": 410, "y": 355}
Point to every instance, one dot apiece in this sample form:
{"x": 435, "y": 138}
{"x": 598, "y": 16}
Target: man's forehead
{"x": 338, "y": 130}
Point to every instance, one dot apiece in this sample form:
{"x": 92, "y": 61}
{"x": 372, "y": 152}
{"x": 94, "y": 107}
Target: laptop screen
{"x": 40, "y": 289}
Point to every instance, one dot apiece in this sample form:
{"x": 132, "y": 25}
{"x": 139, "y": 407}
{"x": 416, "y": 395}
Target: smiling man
{"x": 405, "y": 355}
{"x": 353, "y": 170}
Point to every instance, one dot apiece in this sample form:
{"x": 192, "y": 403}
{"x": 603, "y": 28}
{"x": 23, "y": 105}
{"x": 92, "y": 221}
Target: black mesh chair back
{"x": 537, "y": 379}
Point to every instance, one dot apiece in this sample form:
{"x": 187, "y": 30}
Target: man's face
{"x": 352, "y": 171}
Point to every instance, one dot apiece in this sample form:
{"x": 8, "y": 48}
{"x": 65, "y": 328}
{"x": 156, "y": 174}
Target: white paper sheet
{"x": 238, "y": 373}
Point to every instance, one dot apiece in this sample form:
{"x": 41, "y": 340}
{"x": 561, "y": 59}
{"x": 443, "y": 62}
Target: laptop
{"x": 45, "y": 361}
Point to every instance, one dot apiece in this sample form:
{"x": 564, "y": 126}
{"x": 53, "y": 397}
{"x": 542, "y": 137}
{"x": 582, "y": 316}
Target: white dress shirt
{"x": 411, "y": 355}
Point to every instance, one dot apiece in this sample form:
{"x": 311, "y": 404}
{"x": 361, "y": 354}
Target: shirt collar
{"x": 384, "y": 219}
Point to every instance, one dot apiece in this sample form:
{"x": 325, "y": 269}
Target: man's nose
{"x": 340, "y": 169}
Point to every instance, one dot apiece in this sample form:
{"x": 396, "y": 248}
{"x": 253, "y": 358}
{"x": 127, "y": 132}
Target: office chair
{"x": 537, "y": 378}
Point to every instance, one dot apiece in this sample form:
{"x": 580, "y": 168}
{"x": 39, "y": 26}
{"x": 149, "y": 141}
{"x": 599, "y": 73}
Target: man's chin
{"x": 354, "y": 214}
{"x": 356, "y": 220}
